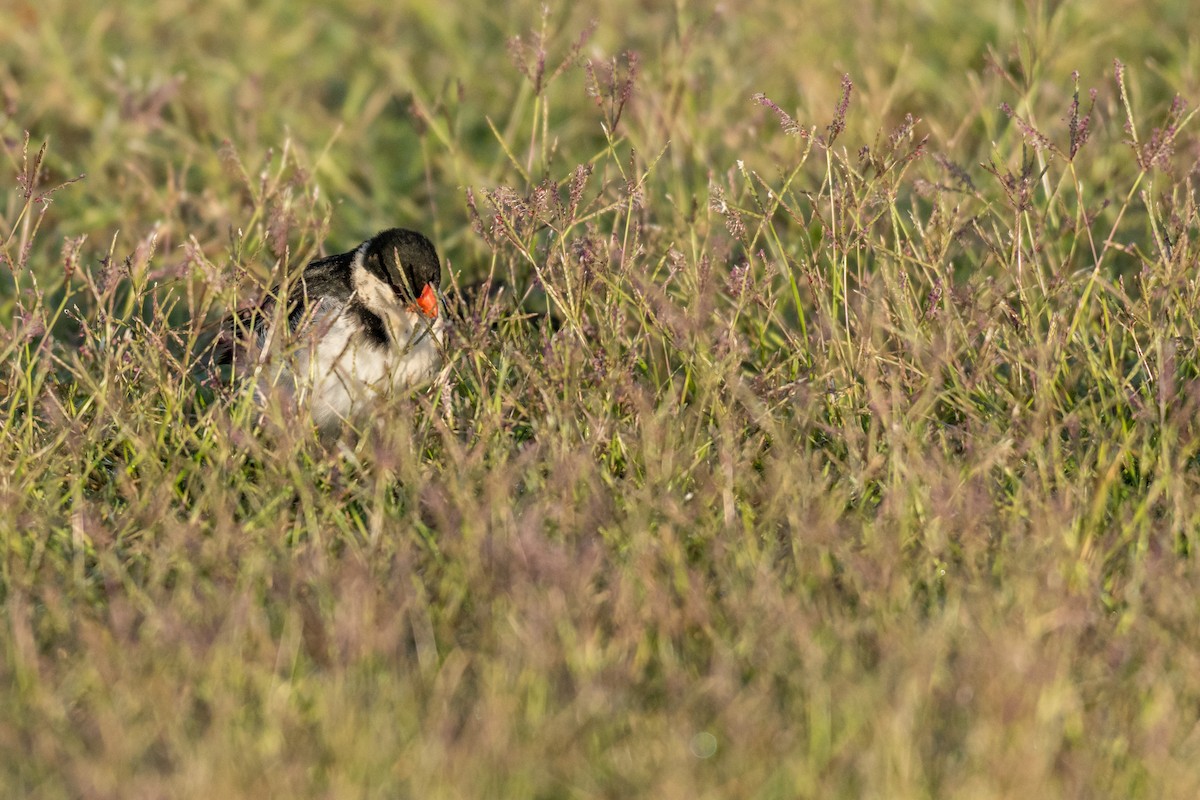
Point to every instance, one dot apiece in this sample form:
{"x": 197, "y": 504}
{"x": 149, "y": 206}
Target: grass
{"x": 860, "y": 461}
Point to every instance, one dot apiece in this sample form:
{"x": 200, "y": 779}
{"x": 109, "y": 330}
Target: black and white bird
{"x": 356, "y": 326}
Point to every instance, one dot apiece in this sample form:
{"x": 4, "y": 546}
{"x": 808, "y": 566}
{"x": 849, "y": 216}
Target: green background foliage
{"x": 841, "y": 442}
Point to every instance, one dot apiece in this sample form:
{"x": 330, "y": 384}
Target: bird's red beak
{"x": 427, "y": 302}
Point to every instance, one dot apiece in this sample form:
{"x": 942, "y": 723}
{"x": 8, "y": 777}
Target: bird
{"x": 353, "y": 328}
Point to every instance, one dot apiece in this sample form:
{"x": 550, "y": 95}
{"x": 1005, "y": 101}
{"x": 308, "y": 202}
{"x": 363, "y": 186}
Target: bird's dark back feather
{"x": 327, "y": 277}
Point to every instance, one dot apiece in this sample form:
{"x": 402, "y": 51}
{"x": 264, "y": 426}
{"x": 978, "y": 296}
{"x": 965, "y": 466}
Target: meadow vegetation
{"x": 842, "y": 442}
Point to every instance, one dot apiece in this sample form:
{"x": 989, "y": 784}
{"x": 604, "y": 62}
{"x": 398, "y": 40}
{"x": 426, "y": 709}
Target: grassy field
{"x": 860, "y": 458}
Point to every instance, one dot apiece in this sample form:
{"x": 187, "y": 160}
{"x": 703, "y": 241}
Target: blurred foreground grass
{"x": 863, "y": 463}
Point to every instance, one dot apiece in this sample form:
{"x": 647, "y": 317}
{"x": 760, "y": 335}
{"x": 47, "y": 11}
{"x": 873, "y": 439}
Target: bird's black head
{"x": 405, "y": 260}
